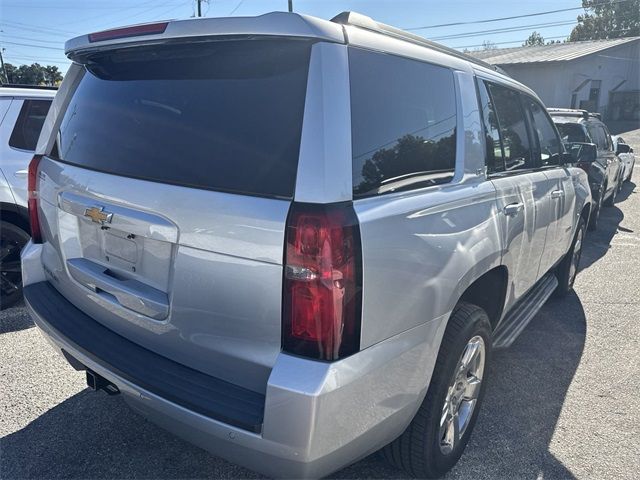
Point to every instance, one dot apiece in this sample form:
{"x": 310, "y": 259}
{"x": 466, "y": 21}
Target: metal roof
{"x": 557, "y": 52}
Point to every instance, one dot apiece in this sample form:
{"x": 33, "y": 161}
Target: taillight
{"x": 322, "y": 299}
{"x": 32, "y": 199}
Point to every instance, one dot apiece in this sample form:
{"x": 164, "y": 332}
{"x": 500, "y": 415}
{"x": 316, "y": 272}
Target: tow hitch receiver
{"x": 96, "y": 382}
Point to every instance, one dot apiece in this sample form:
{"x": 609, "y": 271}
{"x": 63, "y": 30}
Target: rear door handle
{"x": 557, "y": 194}
{"x": 21, "y": 173}
{"x": 513, "y": 209}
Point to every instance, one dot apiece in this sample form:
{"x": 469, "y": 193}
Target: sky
{"x": 35, "y": 30}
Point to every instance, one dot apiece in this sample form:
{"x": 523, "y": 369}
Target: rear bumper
{"x": 316, "y": 417}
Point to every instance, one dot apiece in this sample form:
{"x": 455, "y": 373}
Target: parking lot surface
{"x": 562, "y": 402}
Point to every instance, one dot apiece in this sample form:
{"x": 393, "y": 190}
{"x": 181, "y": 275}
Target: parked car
{"x": 22, "y": 112}
{"x": 605, "y": 173}
{"x": 626, "y": 156}
{"x": 295, "y": 241}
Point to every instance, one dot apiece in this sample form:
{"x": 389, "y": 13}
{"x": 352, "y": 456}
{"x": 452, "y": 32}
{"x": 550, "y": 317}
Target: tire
{"x": 611, "y": 199}
{"x": 595, "y": 215}
{"x": 12, "y": 239}
{"x": 567, "y": 271}
{"x": 422, "y": 450}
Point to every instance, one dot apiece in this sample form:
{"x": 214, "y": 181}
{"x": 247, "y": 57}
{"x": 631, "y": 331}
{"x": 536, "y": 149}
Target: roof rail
{"x": 573, "y": 112}
{"x": 33, "y": 87}
{"x": 358, "y": 20}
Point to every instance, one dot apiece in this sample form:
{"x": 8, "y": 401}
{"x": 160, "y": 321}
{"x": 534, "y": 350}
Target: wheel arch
{"x": 16, "y": 215}
{"x": 488, "y": 292}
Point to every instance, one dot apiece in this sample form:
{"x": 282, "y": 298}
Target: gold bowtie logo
{"x": 98, "y": 215}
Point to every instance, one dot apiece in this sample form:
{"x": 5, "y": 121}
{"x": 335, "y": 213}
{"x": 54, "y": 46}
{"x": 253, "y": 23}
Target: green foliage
{"x": 34, "y": 74}
{"x": 534, "y": 39}
{"x": 607, "y": 19}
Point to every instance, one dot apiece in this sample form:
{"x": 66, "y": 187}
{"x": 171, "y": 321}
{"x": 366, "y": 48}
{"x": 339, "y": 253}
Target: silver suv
{"x": 22, "y": 113}
{"x": 295, "y": 241}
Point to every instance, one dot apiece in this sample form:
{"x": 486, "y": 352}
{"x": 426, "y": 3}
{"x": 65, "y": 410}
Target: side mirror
{"x": 623, "y": 148}
{"x": 582, "y": 152}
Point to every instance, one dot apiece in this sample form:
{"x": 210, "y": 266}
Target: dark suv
{"x": 604, "y": 169}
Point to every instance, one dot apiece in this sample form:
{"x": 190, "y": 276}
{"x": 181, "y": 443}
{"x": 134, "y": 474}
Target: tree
{"x": 607, "y": 19}
{"x": 534, "y": 39}
{"x": 34, "y": 74}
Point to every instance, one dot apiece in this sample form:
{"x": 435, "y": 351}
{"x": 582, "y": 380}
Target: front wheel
{"x": 594, "y": 218}
{"x": 437, "y": 436}
{"x": 12, "y": 239}
{"x": 568, "y": 268}
{"x": 611, "y": 199}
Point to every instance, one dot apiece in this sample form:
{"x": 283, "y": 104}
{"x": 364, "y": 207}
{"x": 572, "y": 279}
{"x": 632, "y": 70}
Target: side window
{"x": 513, "y": 128}
{"x": 494, "y": 156}
{"x": 607, "y": 137}
{"x": 403, "y": 123}
{"x": 30, "y": 120}
{"x": 597, "y": 135}
{"x": 549, "y": 143}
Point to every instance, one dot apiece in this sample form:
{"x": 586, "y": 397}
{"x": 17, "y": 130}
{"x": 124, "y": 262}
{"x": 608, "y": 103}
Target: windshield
{"x": 221, "y": 115}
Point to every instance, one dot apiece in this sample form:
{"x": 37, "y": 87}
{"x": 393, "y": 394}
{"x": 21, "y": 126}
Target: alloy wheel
{"x": 462, "y": 395}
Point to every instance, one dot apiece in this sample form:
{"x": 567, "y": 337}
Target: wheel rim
{"x": 10, "y": 271}
{"x": 575, "y": 258}
{"x": 462, "y": 395}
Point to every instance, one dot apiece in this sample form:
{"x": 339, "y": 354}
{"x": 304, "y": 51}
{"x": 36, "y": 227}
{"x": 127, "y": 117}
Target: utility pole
{"x": 4, "y": 69}
{"x": 291, "y": 5}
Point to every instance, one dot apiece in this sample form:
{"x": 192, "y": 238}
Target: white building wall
{"x": 616, "y": 68}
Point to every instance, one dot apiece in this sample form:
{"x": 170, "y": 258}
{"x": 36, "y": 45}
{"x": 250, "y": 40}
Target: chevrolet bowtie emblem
{"x": 98, "y": 215}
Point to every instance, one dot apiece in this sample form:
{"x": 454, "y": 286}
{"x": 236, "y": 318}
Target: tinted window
{"x": 572, "y": 132}
{"x": 607, "y": 137}
{"x": 223, "y": 115}
{"x": 599, "y": 136}
{"x": 30, "y": 120}
{"x": 549, "y": 149}
{"x": 494, "y": 155}
{"x": 513, "y": 128}
{"x": 403, "y": 115}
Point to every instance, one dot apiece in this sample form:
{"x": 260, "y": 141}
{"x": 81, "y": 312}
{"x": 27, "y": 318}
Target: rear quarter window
{"x": 219, "y": 115}
{"x": 403, "y": 123}
{"x": 27, "y": 129}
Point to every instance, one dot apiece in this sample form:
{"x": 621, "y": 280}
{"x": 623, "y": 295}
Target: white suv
{"x": 296, "y": 241}
{"x": 22, "y": 113}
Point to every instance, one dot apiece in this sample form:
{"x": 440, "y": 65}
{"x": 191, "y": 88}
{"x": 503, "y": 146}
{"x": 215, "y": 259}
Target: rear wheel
{"x": 568, "y": 268}
{"x": 434, "y": 441}
{"x": 12, "y": 239}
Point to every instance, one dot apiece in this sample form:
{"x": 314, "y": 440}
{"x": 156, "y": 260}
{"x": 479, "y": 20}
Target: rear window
{"x": 403, "y": 123}
{"x": 223, "y": 115}
{"x": 572, "y": 132}
{"x": 30, "y": 120}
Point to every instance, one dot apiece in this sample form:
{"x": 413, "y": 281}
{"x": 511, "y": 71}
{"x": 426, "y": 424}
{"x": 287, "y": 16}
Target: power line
{"x": 59, "y": 49}
{"x": 237, "y": 7}
{"x": 522, "y": 41}
{"x": 504, "y": 30}
{"x": 489, "y": 20}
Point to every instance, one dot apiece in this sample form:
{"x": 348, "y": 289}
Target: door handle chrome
{"x": 557, "y": 194}
{"x": 513, "y": 209}
{"x": 21, "y": 173}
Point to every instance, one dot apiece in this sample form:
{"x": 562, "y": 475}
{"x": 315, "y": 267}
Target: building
{"x": 597, "y": 75}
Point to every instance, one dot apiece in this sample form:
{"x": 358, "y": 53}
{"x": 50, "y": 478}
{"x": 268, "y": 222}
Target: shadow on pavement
{"x": 15, "y": 319}
{"x": 91, "y": 435}
{"x": 611, "y": 221}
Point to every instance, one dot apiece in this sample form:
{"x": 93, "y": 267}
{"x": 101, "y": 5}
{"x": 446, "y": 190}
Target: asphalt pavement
{"x": 562, "y": 402}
